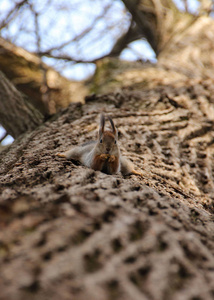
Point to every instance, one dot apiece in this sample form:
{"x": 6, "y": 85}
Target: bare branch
{"x": 83, "y": 33}
{"x": 71, "y": 59}
{"x": 44, "y": 86}
{"x": 131, "y": 35}
{"x": 12, "y": 14}
{"x": 3, "y": 137}
{"x": 144, "y": 25}
{"x": 185, "y": 5}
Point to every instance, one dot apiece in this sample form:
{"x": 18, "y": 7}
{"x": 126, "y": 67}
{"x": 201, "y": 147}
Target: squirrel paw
{"x": 112, "y": 158}
{"x": 60, "y": 154}
{"x": 104, "y": 156}
{"x": 134, "y": 172}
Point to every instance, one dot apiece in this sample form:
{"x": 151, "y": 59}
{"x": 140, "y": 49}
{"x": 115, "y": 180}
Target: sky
{"x": 58, "y": 26}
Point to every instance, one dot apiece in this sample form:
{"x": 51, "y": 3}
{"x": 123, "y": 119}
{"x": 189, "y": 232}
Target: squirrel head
{"x": 107, "y": 140}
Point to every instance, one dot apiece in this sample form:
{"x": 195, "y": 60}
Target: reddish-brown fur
{"x": 109, "y": 165}
{"x": 110, "y": 134}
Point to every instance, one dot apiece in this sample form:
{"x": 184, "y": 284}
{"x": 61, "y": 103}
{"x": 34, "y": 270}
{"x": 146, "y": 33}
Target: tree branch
{"x": 156, "y": 20}
{"x": 132, "y": 34}
{"x": 3, "y": 136}
{"x": 78, "y": 37}
{"x": 17, "y": 115}
{"x": 23, "y": 68}
{"x": 45, "y": 95}
{"x": 12, "y": 14}
{"x": 140, "y": 16}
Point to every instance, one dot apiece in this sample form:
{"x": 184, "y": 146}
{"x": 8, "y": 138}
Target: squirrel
{"x": 104, "y": 154}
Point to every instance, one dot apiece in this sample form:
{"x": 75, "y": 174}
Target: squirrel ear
{"x": 102, "y": 125}
{"x": 114, "y": 130}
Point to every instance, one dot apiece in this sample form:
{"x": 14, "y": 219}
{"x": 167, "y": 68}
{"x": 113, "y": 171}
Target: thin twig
{"x": 44, "y": 86}
{"x": 83, "y": 33}
{"x": 185, "y": 6}
{"x": 70, "y": 58}
{"x": 3, "y": 137}
{"x": 12, "y": 14}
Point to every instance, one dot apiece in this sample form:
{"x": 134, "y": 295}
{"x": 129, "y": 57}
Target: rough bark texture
{"x": 17, "y": 115}
{"x": 68, "y": 232}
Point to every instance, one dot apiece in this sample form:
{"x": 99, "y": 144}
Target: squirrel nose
{"x": 108, "y": 149}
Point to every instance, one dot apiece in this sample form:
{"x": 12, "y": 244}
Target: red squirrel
{"x": 104, "y": 154}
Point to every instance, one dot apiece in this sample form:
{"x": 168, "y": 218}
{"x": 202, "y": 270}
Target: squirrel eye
{"x": 115, "y": 141}
{"x": 101, "y": 141}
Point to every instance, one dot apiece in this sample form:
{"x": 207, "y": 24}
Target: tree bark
{"x": 191, "y": 50}
{"x": 156, "y": 19}
{"x": 132, "y": 34}
{"x": 17, "y": 115}
{"x": 182, "y": 41}
{"x": 46, "y": 89}
{"x": 74, "y": 233}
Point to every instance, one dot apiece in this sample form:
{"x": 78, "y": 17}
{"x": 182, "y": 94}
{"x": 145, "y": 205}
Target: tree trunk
{"x": 74, "y": 233}
{"x": 17, "y": 115}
